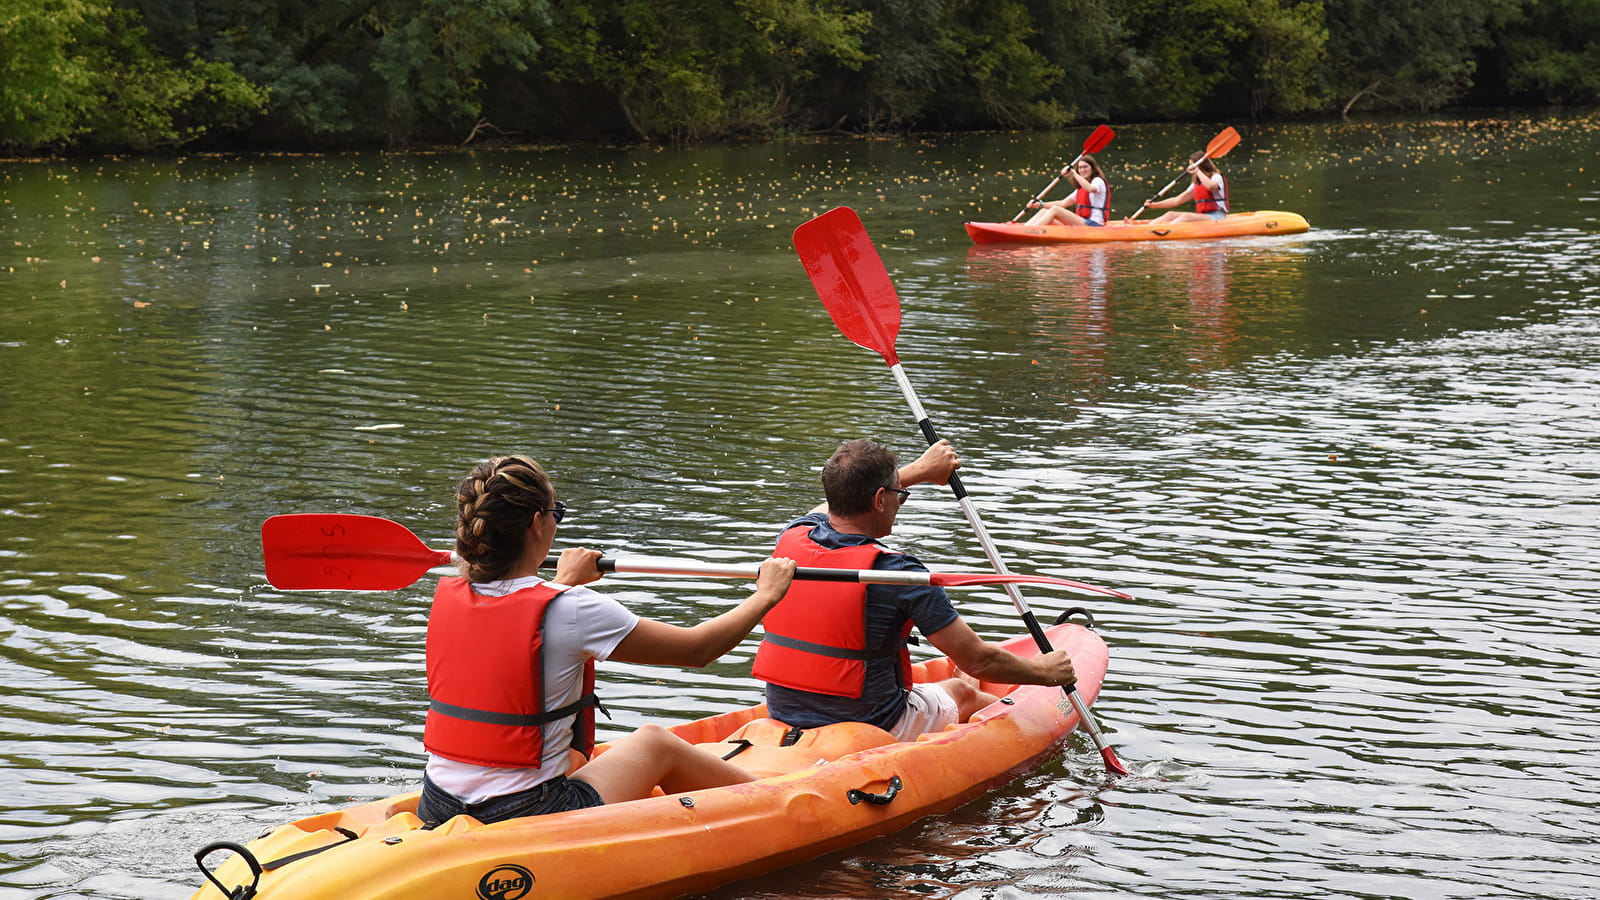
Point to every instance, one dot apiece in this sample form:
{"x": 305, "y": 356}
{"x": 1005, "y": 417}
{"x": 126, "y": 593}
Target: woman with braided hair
{"x": 510, "y": 659}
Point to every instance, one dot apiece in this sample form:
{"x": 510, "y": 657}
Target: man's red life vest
{"x": 816, "y": 637}
{"x": 1085, "y": 209}
{"x": 486, "y": 678}
{"x": 1205, "y": 201}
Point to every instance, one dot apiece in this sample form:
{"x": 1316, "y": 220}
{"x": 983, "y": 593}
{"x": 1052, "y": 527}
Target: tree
{"x": 1220, "y": 56}
{"x": 1552, "y": 52}
{"x": 1417, "y": 54}
{"x": 691, "y": 69}
{"x": 76, "y": 71}
{"x": 47, "y": 87}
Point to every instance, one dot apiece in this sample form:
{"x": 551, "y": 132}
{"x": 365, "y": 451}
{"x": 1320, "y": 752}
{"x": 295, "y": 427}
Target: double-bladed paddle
{"x": 1094, "y": 143}
{"x": 1225, "y": 140}
{"x": 856, "y": 290}
{"x": 345, "y": 552}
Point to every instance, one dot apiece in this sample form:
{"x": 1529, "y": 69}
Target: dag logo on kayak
{"x": 505, "y": 882}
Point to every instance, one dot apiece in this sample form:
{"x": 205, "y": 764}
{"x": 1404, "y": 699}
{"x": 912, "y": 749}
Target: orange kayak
{"x": 1235, "y": 225}
{"x": 833, "y": 788}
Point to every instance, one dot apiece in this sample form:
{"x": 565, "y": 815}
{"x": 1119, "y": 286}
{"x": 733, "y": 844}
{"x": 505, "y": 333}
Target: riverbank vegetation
{"x": 139, "y": 75}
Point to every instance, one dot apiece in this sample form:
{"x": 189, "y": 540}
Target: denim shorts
{"x": 559, "y": 794}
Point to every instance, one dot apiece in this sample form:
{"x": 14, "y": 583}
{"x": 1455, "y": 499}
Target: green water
{"x": 1352, "y": 477}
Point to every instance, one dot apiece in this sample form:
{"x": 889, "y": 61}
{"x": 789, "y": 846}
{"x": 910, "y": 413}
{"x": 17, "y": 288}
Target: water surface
{"x": 1351, "y": 477}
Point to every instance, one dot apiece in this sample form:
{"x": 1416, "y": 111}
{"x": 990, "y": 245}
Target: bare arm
{"x": 990, "y": 662}
{"x": 657, "y": 643}
{"x": 934, "y": 466}
{"x": 1179, "y": 200}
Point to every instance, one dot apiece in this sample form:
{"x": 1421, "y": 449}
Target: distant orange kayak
{"x": 1235, "y": 225}
{"x": 822, "y": 790}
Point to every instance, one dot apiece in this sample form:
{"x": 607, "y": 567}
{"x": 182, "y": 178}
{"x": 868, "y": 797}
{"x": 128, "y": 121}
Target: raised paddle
{"x": 344, "y": 552}
{"x": 1225, "y": 140}
{"x": 855, "y": 288}
{"x": 1094, "y": 143}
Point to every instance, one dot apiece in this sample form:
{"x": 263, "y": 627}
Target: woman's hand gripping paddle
{"x": 1225, "y": 140}
{"x": 1094, "y": 143}
{"x": 343, "y": 552}
{"x": 855, "y": 288}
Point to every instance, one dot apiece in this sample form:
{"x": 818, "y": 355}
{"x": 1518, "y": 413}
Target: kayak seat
{"x": 767, "y": 747}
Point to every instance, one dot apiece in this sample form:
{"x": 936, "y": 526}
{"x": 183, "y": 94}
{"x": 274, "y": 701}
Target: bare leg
{"x": 651, "y": 756}
{"x": 969, "y": 698}
{"x": 1175, "y": 217}
{"x": 1055, "y": 215}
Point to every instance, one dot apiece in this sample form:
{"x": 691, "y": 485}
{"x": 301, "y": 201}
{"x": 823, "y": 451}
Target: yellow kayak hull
{"x": 834, "y": 788}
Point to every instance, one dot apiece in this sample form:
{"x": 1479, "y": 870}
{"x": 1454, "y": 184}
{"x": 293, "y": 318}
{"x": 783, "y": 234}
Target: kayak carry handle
{"x": 243, "y": 891}
{"x": 1067, "y": 614}
{"x": 856, "y": 795}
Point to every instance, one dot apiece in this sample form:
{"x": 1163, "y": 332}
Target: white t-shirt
{"x": 1097, "y": 200}
{"x": 567, "y": 645}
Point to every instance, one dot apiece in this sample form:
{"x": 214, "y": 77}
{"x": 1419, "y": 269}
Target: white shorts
{"x": 928, "y": 708}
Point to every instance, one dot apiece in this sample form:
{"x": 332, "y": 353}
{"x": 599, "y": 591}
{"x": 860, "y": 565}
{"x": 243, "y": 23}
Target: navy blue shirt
{"x": 883, "y": 697}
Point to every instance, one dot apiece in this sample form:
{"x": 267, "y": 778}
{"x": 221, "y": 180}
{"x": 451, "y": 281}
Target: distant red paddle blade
{"x": 850, "y": 279}
{"x": 1098, "y": 139}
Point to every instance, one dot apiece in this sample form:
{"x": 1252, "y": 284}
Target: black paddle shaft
{"x": 960, "y": 490}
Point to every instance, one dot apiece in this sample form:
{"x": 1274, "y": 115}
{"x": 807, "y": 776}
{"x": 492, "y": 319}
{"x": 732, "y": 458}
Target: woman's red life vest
{"x": 1205, "y": 201}
{"x": 1085, "y": 209}
{"x": 486, "y": 678}
{"x": 816, "y": 637}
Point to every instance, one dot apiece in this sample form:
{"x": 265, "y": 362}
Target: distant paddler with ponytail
{"x": 511, "y": 659}
{"x": 1208, "y": 188}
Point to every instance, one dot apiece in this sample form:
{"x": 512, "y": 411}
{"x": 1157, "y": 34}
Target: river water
{"x": 1352, "y": 478}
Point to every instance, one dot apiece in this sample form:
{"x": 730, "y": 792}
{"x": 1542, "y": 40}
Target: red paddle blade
{"x": 1098, "y": 139}
{"x": 343, "y": 552}
{"x": 1222, "y": 143}
{"x": 850, "y": 278}
{"x": 961, "y": 579}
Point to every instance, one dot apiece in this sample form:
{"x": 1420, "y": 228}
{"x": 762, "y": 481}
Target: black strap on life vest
{"x": 518, "y": 720}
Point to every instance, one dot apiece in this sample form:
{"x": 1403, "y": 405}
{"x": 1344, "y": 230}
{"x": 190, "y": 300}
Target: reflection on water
{"x": 1350, "y": 476}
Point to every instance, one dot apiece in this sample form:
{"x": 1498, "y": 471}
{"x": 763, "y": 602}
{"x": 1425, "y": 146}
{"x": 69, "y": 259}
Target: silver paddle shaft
{"x": 993, "y": 553}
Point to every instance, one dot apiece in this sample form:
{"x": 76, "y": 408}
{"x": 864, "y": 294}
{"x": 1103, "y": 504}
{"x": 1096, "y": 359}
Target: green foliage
{"x": 1552, "y": 54}
{"x": 689, "y": 69}
{"x": 1214, "y": 56}
{"x": 1001, "y": 79}
{"x": 430, "y": 53}
{"x": 47, "y": 87}
{"x": 82, "y": 70}
{"x": 1416, "y": 54}
{"x": 139, "y": 74}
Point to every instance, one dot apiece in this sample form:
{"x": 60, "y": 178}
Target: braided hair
{"x": 494, "y": 507}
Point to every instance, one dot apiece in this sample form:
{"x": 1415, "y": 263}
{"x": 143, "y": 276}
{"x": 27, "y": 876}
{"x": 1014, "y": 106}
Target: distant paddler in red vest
{"x": 510, "y": 659}
{"x": 1207, "y": 188}
{"x": 1088, "y": 205}
{"x": 836, "y": 652}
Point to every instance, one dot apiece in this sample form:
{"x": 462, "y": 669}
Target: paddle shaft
{"x": 855, "y": 288}
{"x": 925, "y": 424}
{"x": 1039, "y": 197}
{"x": 342, "y": 551}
